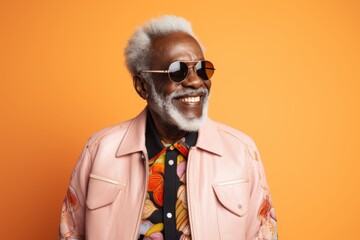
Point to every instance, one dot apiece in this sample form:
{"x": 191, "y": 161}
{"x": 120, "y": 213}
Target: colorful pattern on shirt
{"x": 154, "y": 217}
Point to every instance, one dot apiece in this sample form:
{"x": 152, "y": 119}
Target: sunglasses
{"x": 179, "y": 70}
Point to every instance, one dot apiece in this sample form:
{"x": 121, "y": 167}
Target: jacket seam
{"x": 191, "y": 221}
{"x": 246, "y": 144}
{"x": 73, "y": 183}
{"x": 144, "y": 195}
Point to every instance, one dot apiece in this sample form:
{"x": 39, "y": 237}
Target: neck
{"x": 167, "y": 132}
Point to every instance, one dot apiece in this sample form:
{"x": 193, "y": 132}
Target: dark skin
{"x": 166, "y": 49}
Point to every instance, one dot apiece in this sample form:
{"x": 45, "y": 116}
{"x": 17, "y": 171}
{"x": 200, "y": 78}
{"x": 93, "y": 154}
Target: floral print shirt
{"x": 165, "y": 214}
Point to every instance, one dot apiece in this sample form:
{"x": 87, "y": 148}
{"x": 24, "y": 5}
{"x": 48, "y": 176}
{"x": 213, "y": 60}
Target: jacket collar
{"x": 134, "y": 138}
{"x": 209, "y": 138}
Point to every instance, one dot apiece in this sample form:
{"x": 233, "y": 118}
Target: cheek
{"x": 166, "y": 87}
{"x": 208, "y": 84}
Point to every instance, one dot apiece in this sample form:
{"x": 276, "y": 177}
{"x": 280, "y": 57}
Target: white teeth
{"x": 190, "y": 99}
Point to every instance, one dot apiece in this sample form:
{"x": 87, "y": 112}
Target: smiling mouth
{"x": 190, "y": 99}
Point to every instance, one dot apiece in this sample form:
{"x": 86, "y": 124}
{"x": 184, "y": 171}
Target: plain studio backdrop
{"x": 287, "y": 75}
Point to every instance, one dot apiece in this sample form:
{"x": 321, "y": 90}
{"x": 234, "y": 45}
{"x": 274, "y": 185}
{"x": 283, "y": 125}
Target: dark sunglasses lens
{"x": 205, "y": 69}
{"x": 178, "y": 71}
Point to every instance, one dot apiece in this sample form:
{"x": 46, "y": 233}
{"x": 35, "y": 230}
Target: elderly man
{"x": 169, "y": 173}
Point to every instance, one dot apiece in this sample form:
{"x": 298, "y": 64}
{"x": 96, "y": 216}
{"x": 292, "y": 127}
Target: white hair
{"x": 137, "y": 51}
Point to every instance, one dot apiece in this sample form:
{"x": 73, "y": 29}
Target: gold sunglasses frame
{"x": 192, "y": 67}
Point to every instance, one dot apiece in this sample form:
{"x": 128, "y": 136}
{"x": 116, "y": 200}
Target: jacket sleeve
{"x": 261, "y": 224}
{"x": 72, "y": 221}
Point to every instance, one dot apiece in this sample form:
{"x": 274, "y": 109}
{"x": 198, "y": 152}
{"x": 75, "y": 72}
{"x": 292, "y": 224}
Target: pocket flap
{"x": 102, "y": 191}
{"x": 233, "y": 195}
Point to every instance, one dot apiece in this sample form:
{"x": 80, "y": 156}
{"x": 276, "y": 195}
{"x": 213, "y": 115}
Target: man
{"x": 170, "y": 173}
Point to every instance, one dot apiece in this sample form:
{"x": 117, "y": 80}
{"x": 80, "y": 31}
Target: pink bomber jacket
{"x": 227, "y": 193}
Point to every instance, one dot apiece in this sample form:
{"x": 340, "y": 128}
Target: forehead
{"x": 173, "y": 47}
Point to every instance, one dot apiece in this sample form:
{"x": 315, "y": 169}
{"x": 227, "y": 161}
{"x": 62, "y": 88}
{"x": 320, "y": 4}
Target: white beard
{"x": 166, "y": 110}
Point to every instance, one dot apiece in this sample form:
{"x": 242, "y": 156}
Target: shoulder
{"x": 237, "y": 137}
{"x": 232, "y": 133}
{"x": 111, "y": 135}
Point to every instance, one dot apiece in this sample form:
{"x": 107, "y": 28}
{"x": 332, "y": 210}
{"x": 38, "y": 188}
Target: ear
{"x": 140, "y": 86}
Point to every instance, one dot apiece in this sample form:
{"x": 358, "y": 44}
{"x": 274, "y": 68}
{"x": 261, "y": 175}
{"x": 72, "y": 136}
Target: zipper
{"x": 191, "y": 223}
{"x": 144, "y": 154}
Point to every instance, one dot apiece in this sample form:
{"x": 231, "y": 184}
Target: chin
{"x": 168, "y": 112}
{"x": 183, "y": 123}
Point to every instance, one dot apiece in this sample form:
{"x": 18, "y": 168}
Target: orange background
{"x": 287, "y": 74}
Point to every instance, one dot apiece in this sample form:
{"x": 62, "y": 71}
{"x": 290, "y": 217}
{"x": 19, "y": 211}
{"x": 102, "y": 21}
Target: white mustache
{"x": 202, "y": 91}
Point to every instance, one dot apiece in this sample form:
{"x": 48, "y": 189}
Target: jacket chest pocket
{"x": 101, "y": 205}
{"x": 233, "y": 204}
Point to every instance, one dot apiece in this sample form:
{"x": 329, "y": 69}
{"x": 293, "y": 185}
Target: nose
{"x": 192, "y": 80}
